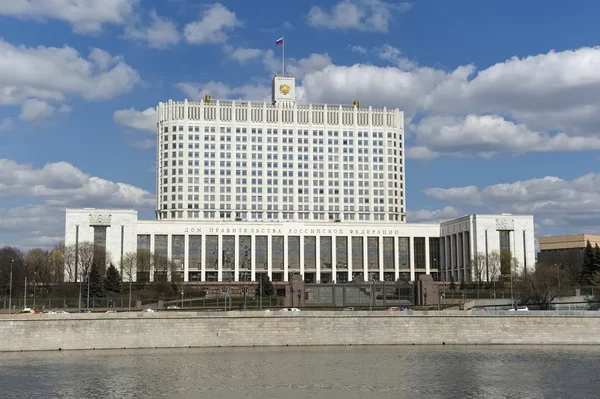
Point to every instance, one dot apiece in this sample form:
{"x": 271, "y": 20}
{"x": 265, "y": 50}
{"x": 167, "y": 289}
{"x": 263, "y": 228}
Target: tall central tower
{"x": 280, "y": 160}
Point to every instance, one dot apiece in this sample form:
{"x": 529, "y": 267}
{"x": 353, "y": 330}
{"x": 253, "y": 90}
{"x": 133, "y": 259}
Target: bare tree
{"x": 493, "y": 266}
{"x": 79, "y": 260}
{"x": 38, "y": 266}
{"x": 478, "y": 268}
{"x": 164, "y": 268}
{"x": 539, "y": 287}
{"x": 143, "y": 265}
{"x": 129, "y": 266}
{"x": 129, "y": 269}
{"x": 57, "y": 263}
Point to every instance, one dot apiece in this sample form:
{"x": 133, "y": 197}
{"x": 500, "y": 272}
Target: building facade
{"x": 287, "y": 189}
{"x": 565, "y": 249}
{"x": 245, "y": 160}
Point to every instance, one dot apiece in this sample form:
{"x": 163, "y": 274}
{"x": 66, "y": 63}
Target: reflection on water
{"x": 330, "y": 372}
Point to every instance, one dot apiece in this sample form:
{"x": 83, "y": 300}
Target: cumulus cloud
{"x": 86, "y": 16}
{"x": 41, "y": 78}
{"x": 141, "y": 120}
{"x": 565, "y": 202}
{"x": 426, "y": 216}
{"x": 159, "y": 32}
{"x": 546, "y": 102}
{"x": 219, "y": 90}
{"x": 363, "y": 15}
{"x": 243, "y": 54}
{"x": 487, "y": 136}
{"x": 50, "y": 189}
{"x": 213, "y": 27}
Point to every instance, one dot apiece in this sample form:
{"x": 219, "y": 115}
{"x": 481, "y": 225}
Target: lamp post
{"x": 10, "y": 287}
{"x": 34, "y": 283}
{"x": 25, "y": 294}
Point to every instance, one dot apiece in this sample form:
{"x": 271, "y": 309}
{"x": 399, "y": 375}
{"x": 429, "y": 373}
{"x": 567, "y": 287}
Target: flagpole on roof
{"x": 283, "y": 56}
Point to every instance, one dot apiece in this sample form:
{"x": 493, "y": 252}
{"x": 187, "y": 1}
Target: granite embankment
{"x": 227, "y": 329}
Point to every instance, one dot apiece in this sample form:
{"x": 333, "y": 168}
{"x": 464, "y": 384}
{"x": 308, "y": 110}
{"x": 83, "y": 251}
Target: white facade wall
{"x": 215, "y": 145}
{"x": 484, "y": 238}
{"x": 121, "y": 235}
{"x": 473, "y": 228}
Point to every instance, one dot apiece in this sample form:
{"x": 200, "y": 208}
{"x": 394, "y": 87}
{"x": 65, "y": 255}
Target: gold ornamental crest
{"x": 285, "y": 89}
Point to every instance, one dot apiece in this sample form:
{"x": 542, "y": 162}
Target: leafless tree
{"x": 493, "y": 266}
{"x": 164, "y": 268}
{"x": 79, "y": 260}
{"x": 129, "y": 266}
{"x": 478, "y": 268}
{"x": 144, "y": 263}
{"x": 540, "y": 286}
{"x": 39, "y": 269}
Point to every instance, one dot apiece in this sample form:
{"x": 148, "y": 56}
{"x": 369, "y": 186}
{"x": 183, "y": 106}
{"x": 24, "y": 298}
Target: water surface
{"x": 316, "y": 372}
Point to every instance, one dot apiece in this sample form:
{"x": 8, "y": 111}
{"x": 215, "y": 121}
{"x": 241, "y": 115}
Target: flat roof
{"x": 568, "y": 242}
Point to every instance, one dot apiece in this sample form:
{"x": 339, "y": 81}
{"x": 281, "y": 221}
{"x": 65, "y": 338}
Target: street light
{"x": 10, "y": 287}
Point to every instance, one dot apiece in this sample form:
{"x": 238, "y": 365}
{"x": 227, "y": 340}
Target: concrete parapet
{"x": 262, "y": 328}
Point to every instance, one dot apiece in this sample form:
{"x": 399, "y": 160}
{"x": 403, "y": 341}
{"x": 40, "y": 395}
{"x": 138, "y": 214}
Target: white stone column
{"x": 302, "y": 256}
{"x": 186, "y": 258}
{"x": 465, "y": 255}
{"x": 318, "y": 258}
{"x": 365, "y": 259}
{"x": 411, "y": 244}
{"x": 396, "y": 260}
{"x": 380, "y": 257}
{"x": 349, "y": 256}
{"x": 253, "y": 257}
{"x": 169, "y": 254}
{"x": 203, "y": 257}
{"x": 452, "y": 252}
{"x": 151, "y": 277}
{"x": 270, "y": 257}
{"x": 236, "y": 249}
{"x": 333, "y": 259}
{"x": 286, "y": 260}
{"x": 427, "y": 260}
{"x": 220, "y": 256}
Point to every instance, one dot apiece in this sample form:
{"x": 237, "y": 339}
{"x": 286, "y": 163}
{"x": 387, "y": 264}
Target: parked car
{"x": 173, "y": 307}
{"x": 148, "y": 310}
{"x": 290, "y": 310}
{"x": 349, "y": 309}
{"x": 60, "y": 311}
{"x": 85, "y": 311}
{"x": 111, "y": 311}
{"x": 519, "y": 309}
{"x": 48, "y": 311}
{"x": 26, "y": 311}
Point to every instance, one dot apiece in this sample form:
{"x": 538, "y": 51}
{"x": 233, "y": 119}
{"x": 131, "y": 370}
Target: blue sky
{"x": 501, "y": 99}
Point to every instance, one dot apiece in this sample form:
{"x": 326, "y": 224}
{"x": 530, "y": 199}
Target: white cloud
{"x": 212, "y": 27}
{"x": 219, "y": 90}
{"x": 556, "y": 90}
{"x": 62, "y": 184}
{"x": 358, "y": 49}
{"x": 141, "y": 120}
{"x": 35, "y": 110}
{"x": 85, "y": 16}
{"x": 159, "y": 33}
{"x": 395, "y": 56}
{"x": 547, "y": 102}
{"x": 54, "y": 187}
{"x": 41, "y": 78}
{"x": 365, "y": 15}
{"x": 425, "y": 216}
{"x": 488, "y": 135}
{"x": 573, "y": 203}
{"x": 243, "y": 54}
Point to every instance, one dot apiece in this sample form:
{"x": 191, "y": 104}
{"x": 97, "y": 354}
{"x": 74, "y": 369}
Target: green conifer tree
{"x": 112, "y": 282}
{"x": 587, "y": 268}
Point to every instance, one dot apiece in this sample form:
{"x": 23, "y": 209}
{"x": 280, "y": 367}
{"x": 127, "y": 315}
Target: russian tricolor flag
{"x": 279, "y": 41}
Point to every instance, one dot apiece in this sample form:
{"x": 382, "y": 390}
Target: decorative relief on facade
{"x": 505, "y": 224}
{"x": 285, "y": 89}
{"x": 100, "y": 219}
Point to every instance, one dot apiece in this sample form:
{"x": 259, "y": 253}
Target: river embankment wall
{"x": 239, "y": 329}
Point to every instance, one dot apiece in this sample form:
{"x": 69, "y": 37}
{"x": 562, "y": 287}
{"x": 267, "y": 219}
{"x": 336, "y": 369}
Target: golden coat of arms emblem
{"x": 285, "y": 89}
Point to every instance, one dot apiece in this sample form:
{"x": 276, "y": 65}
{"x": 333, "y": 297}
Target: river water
{"x": 314, "y": 372}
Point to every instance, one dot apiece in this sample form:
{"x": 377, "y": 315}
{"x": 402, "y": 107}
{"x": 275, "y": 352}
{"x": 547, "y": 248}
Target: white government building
{"x": 283, "y": 188}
